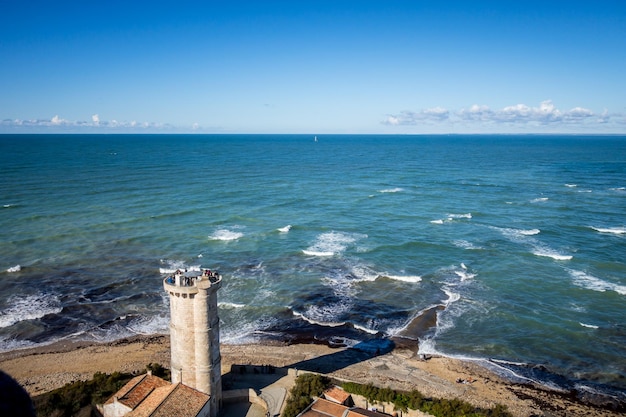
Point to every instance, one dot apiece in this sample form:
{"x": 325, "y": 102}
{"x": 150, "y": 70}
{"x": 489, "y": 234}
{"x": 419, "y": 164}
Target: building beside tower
{"x": 196, "y": 387}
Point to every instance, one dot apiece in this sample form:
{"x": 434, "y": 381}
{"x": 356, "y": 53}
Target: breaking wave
{"x": 332, "y": 243}
{"x": 613, "y": 230}
{"x": 225, "y": 235}
{"x": 391, "y": 190}
{"x": 30, "y": 307}
{"x": 590, "y": 282}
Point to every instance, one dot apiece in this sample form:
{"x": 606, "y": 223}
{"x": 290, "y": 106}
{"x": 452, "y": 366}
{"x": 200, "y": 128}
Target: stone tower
{"x": 194, "y": 333}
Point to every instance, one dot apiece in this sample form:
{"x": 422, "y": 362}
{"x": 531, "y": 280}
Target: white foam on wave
{"x": 590, "y": 282}
{"x": 460, "y": 216}
{"x": 322, "y": 311}
{"x": 9, "y": 343}
{"x": 538, "y": 249}
{"x": 499, "y": 367}
{"x": 452, "y": 217}
{"x": 539, "y": 200}
{"x": 571, "y": 185}
{"x": 284, "y": 229}
{"x": 363, "y": 273}
{"x": 549, "y": 253}
{"x": 145, "y": 325}
{"x": 30, "y": 307}
{"x": 246, "y": 332}
{"x": 317, "y": 253}
{"x": 612, "y": 230}
{"x": 464, "y": 244}
{"x": 452, "y": 296}
{"x": 517, "y": 235}
{"x": 225, "y": 304}
{"x": 225, "y": 235}
{"x": 405, "y": 278}
{"x": 590, "y": 326}
{"x": 16, "y": 268}
{"x": 465, "y": 275}
{"x": 171, "y": 266}
{"x": 391, "y": 190}
{"x": 365, "y": 329}
{"x": 332, "y": 243}
{"x": 427, "y": 346}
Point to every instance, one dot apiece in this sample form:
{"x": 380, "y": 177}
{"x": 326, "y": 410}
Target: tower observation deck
{"x": 194, "y": 332}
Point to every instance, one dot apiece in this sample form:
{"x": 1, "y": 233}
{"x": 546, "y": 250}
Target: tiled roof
{"x": 361, "y": 412}
{"x": 136, "y": 390}
{"x": 182, "y": 402}
{"x": 150, "y": 396}
{"x": 336, "y": 394}
{"x": 328, "y": 408}
{"x": 147, "y": 407}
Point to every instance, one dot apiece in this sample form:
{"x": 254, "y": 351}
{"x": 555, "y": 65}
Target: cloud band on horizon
{"x": 517, "y": 115}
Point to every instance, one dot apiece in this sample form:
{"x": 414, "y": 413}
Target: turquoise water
{"x": 518, "y": 240}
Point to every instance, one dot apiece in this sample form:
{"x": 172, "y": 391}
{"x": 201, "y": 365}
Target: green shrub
{"x": 301, "y": 394}
{"x": 438, "y": 407}
{"x": 158, "y": 370}
{"x": 73, "y": 397}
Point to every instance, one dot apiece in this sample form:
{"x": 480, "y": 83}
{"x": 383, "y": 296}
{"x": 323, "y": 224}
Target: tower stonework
{"x": 194, "y": 333}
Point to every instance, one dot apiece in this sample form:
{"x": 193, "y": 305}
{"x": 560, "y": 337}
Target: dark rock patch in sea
{"x": 328, "y": 309}
{"x": 422, "y": 324}
{"x": 293, "y": 329}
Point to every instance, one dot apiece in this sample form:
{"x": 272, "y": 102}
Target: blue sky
{"x": 313, "y": 66}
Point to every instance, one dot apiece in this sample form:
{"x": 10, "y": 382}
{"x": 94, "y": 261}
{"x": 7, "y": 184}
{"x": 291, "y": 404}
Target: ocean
{"x": 506, "y": 249}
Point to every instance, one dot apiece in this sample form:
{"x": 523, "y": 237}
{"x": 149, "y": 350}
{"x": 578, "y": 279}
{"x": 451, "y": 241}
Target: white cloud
{"x": 435, "y": 114}
{"x": 56, "y": 124}
{"x": 518, "y": 116}
{"x": 476, "y": 112}
{"x": 546, "y": 113}
{"x": 56, "y": 120}
{"x": 579, "y": 113}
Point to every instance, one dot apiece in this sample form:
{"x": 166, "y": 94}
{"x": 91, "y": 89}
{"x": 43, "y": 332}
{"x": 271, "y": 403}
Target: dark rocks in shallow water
{"x": 601, "y": 400}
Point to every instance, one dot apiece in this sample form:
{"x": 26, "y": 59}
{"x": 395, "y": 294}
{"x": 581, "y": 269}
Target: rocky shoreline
{"x": 45, "y": 368}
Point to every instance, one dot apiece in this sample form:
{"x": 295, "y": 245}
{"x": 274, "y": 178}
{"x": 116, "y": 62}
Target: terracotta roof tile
{"x": 137, "y": 389}
{"x": 156, "y": 397}
{"x": 328, "y": 408}
{"x": 182, "y": 402}
{"x": 325, "y": 408}
{"x": 336, "y": 394}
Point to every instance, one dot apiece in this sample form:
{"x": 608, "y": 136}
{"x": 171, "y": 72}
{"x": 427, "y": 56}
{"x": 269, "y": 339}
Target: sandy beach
{"x": 42, "y": 369}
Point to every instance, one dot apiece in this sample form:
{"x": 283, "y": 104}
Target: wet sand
{"x": 42, "y": 369}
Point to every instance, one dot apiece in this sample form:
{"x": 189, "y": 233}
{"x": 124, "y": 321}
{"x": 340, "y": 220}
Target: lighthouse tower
{"x": 194, "y": 333}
